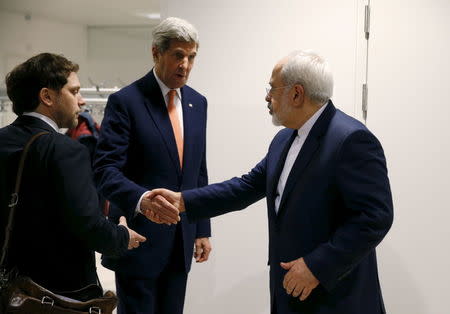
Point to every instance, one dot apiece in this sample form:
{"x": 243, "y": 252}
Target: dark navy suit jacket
{"x": 335, "y": 209}
{"x": 58, "y": 223}
{"x": 136, "y": 152}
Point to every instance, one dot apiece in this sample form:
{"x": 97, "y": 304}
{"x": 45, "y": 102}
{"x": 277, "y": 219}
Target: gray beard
{"x": 275, "y": 120}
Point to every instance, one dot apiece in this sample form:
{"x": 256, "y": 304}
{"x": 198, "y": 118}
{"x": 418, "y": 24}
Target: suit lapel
{"x": 188, "y": 129}
{"x": 279, "y": 157}
{"x": 154, "y": 101}
{"x": 309, "y": 148}
{"x": 303, "y": 158}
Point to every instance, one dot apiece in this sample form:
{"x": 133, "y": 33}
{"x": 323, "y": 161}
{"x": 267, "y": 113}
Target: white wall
{"x": 118, "y": 55}
{"x": 108, "y": 56}
{"x": 409, "y": 110}
{"x": 240, "y": 42}
{"x": 21, "y": 39}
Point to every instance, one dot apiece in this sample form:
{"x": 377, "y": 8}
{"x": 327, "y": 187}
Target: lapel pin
{"x": 190, "y": 105}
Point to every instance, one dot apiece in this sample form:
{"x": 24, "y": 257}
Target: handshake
{"x": 162, "y": 206}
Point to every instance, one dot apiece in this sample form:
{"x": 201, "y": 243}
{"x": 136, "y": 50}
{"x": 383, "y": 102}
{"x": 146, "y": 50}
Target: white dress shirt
{"x": 296, "y": 146}
{"x": 43, "y": 118}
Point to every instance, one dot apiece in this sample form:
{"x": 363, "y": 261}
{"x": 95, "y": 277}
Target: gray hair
{"x": 173, "y": 28}
{"x": 307, "y": 68}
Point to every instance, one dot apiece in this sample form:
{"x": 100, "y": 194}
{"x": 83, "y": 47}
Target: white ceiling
{"x": 87, "y": 12}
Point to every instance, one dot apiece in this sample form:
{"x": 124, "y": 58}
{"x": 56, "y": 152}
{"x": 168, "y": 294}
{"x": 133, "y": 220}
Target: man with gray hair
{"x": 154, "y": 134}
{"x": 328, "y": 197}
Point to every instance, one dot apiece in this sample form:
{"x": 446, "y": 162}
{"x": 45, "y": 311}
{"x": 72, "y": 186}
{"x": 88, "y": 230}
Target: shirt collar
{"x": 164, "y": 88}
{"x": 43, "y": 118}
{"x": 311, "y": 121}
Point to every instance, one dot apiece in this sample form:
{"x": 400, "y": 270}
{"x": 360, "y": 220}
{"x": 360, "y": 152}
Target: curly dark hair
{"x": 25, "y": 81}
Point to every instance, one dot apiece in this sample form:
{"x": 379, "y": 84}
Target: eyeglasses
{"x": 270, "y": 89}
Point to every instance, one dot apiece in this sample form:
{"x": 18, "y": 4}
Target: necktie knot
{"x": 172, "y": 94}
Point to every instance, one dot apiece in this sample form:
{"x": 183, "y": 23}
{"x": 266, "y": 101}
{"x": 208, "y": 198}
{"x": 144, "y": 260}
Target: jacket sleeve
{"x": 111, "y": 157}
{"x": 231, "y": 195}
{"x": 71, "y": 177}
{"x": 367, "y": 211}
{"x": 203, "y": 225}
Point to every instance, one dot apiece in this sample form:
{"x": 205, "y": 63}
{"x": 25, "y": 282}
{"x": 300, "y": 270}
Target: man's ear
{"x": 299, "y": 94}
{"x": 155, "y": 54}
{"x": 46, "y": 96}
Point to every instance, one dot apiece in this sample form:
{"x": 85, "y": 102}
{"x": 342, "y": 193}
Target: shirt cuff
{"x": 138, "y": 206}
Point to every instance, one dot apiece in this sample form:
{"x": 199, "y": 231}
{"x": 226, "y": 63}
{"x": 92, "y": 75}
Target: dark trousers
{"x": 161, "y": 295}
{"x": 273, "y": 308}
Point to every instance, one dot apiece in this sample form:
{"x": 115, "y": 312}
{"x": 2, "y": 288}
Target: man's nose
{"x": 184, "y": 63}
{"x": 81, "y": 101}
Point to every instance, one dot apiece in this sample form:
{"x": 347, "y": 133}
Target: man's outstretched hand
{"x": 134, "y": 238}
{"x": 162, "y": 206}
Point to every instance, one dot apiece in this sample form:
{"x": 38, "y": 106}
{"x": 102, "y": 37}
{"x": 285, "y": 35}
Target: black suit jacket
{"x": 58, "y": 224}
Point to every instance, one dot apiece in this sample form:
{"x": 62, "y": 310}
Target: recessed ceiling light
{"x": 150, "y": 16}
